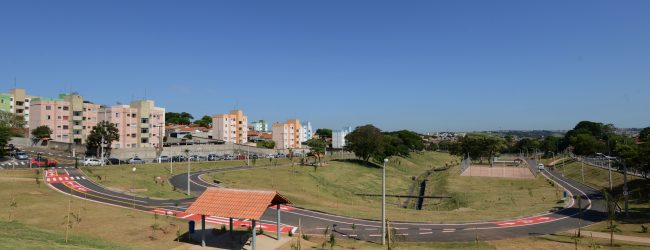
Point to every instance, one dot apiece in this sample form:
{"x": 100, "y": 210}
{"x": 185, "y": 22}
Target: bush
{"x": 291, "y": 233}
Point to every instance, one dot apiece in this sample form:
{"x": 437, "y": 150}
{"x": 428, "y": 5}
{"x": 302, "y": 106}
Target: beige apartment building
{"x": 69, "y": 116}
{"x": 140, "y": 124}
{"x": 287, "y": 135}
{"x": 18, "y": 102}
{"x": 231, "y": 127}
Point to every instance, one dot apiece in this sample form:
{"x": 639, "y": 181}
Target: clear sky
{"x": 420, "y": 65}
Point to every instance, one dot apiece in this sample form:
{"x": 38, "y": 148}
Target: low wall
{"x": 228, "y": 148}
{"x": 52, "y": 145}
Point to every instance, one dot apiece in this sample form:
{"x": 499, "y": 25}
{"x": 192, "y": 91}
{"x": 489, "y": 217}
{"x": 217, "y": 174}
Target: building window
{"x": 76, "y": 113}
{"x": 77, "y": 123}
{"x": 144, "y": 120}
{"x": 65, "y": 127}
{"x": 144, "y": 130}
{"x": 48, "y": 107}
{"x": 144, "y": 140}
{"x": 66, "y": 108}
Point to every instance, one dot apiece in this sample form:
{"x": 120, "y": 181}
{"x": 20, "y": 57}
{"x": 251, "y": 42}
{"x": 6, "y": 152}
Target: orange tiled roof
{"x": 235, "y": 203}
{"x": 267, "y": 136}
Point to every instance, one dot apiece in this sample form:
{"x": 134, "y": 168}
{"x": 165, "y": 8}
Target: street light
{"x": 383, "y": 203}
{"x": 133, "y": 185}
{"x": 609, "y": 168}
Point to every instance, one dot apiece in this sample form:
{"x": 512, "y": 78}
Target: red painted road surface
{"x": 525, "y": 221}
{"x": 223, "y": 221}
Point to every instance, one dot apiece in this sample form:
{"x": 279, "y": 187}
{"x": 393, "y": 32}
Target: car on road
{"x": 43, "y": 162}
{"x": 540, "y": 167}
{"x": 20, "y": 155}
{"x": 136, "y": 160}
{"x": 92, "y": 162}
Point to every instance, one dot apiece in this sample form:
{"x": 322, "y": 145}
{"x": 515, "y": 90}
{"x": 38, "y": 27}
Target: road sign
{"x": 626, "y": 193}
{"x": 565, "y": 194}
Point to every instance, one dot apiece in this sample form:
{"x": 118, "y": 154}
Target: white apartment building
{"x": 338, "y": 137}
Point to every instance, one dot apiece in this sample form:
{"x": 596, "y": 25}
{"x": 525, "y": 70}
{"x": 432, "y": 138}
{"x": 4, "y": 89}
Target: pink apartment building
{"x": 140, "y": 124}
{"x": 69, "y": 116}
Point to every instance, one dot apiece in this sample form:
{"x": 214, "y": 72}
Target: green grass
{"x": 639, "y": 201}
{"x": 122, "y": 179}
{"x": 14, "y": 235}
{"x": 333, "y": 188}
{"x": 101, "y": 226}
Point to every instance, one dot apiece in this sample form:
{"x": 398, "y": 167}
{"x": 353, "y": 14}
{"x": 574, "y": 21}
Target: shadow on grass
{"x": 218, "y": 239}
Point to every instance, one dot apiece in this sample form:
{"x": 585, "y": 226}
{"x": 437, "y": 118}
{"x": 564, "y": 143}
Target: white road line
{"x": 374, "y": 235}
{"x": 425, "y": 229}
{"x": 426, "y": 233}
{"x": 401, "y": 234}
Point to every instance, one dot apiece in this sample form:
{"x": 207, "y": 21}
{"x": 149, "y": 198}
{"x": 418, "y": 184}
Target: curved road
{"x": 73, "y": 181}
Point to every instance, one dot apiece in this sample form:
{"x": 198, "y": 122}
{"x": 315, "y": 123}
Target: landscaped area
{"x": 152, "y": 179}
{"x": 334, "y": 188}
{"x": 39, "y": 215}
{"x": 639, "y": 199}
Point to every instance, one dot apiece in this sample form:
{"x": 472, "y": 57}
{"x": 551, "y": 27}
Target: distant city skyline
{"x": 424, "y": 66}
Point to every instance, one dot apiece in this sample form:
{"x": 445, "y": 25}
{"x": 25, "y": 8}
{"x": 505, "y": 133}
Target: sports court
{"x": 505, "y": 172}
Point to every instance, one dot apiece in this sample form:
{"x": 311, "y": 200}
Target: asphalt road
{"x": 314, "y": 222}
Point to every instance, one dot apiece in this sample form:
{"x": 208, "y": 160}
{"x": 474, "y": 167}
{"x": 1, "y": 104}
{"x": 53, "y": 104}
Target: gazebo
{"x": 237, "y": 203}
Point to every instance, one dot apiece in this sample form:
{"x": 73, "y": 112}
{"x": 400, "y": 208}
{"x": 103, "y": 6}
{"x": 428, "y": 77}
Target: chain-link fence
{"x": 465, "y": 164}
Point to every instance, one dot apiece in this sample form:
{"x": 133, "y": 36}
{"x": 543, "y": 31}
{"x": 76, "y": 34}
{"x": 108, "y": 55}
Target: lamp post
{"x": 383, "y": 203}
{"x": 609, "y": 168}
{"x": 133, "y": 185}
{"x": 187, "y": 152}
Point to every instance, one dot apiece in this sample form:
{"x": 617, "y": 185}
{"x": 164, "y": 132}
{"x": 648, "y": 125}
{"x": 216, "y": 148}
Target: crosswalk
{"x": 16, "y": 163}
{"x": 57, "y": 179}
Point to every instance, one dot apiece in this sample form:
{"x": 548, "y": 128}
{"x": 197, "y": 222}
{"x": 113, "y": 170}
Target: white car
{"x": 540, "y": 167}
{"x": 92, "y": 162}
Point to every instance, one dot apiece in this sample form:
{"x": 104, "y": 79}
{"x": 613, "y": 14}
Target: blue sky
{"x": 420, "y": 65}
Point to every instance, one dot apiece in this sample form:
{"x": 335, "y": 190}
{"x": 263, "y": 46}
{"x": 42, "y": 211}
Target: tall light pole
{"x": 133, "y": 185}
{"x": 383, "y": 203}
{"x": 187, "y": 152}
{"x": 609, "y": 168}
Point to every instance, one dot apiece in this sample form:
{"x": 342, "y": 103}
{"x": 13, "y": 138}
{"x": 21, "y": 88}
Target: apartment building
{"x": 338, "y": 137}
{"x": 18, "y": 102}
{"x": 69, "y": 116}
{"x": 231, "y": 127}
{"x": 307, "y": 132}
{"x": 260, "y": 125}
{"x": 140, "y": 124}
{"x": 287, "y": 135}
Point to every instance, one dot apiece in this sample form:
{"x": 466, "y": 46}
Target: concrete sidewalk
{"x": 240, "y": 240}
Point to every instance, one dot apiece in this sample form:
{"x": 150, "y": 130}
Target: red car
{"x": 43, "y": 162}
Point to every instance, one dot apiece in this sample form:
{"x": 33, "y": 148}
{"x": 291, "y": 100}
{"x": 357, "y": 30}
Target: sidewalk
{"x": 602, "y": 235}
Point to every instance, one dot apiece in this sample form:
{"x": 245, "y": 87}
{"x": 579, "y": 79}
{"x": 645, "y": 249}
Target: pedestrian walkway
{"x": 602, "y": 235}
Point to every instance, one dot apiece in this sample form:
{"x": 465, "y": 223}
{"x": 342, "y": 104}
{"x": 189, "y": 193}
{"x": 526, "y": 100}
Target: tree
{"x": 366, "y": 141}
{"x": 104, "y": 130}
{"x": 183, "y": 118}
{"x": 266, "y": 144}
{"x": 41, "y": 133}
{"x": 205, "y": 121}
{"x": 644, "y": 135}
{"x": 5, "y": 137}
{"x": 317, "y": 147}
{"x": 16, "y": 123}
{"x": 324, "y": 132}
{"x": 481, "y": 146}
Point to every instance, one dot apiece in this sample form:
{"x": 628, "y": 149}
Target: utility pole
{"x": 383, "y": 204}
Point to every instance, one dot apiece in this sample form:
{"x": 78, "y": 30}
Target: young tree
{"x": 103, "y": 130}
{"x": 366, "y": 141}
{"x": 40, "y": 133}
{"x": 205, "y": 121}
{"x": 16, "y": 123}
{"x": 317, "y": 147}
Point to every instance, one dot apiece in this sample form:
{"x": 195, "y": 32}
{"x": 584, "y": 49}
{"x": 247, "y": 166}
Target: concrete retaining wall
{"x": 228, "y": 148}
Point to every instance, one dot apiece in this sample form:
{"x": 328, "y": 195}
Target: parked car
{"x": 43, "y": 162}
{"x": 20, "y": 155}
{"x": 213, "y": 157}
{"x": 136, "y": 160}
{"x": 202, "y": 158}
{"x": 280, "y": 155}
{"x": 178, "y": 158}
{"x": 115, "y": 161}
{"x": 92, "y": 162}
{"x": 162, "y": 158}
{"x": 228, "y": 157}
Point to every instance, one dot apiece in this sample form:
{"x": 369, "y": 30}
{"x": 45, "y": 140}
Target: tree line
{"x": 369, "y": 142}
